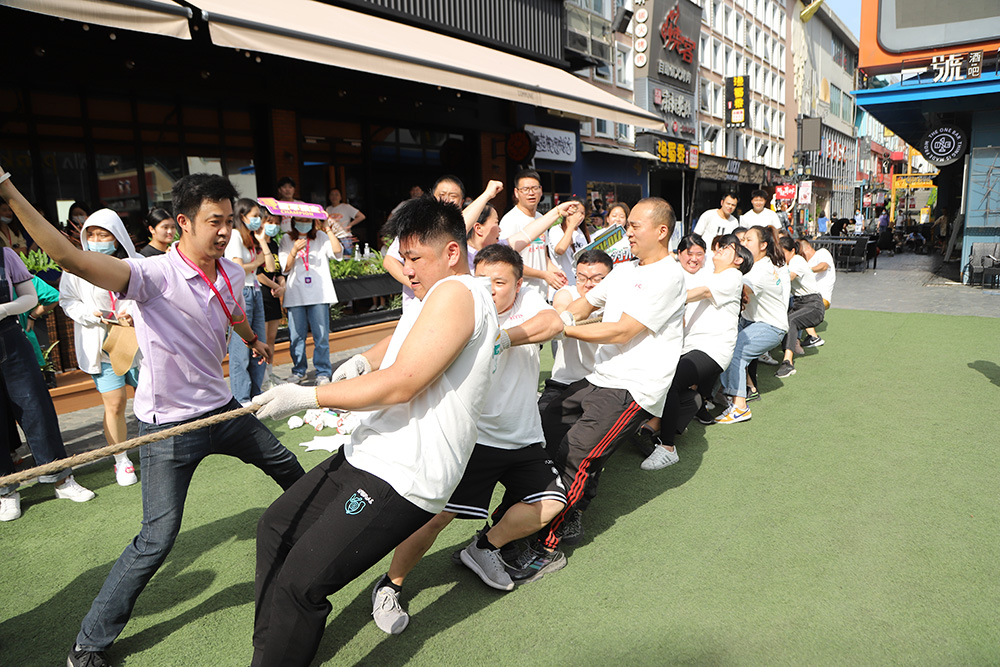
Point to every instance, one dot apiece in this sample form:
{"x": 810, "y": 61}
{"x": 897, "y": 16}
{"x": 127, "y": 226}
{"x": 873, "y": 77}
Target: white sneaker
{"x": 70, "y": 489}
{"x": 322, "y": 380}
{"x": 10, "y": 507}
{"x": 125, "y": 474}
{"x": 660, "y": 458}
{"x": 389, "y": 615}
{"x": 295, "y": 378}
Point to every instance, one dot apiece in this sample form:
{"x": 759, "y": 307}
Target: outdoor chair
{"x": 857, "y": 259}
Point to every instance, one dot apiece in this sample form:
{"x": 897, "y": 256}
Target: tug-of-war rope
{"x": 109, "y": 450}
{"x": 95, "y": 454}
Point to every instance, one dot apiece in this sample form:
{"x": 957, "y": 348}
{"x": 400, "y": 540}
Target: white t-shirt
{"x": 764, "y": 218}
{"x": 573, "y": 359}
{"x": 769, "y": 301}
{"x": 711, "y": 325}
{"x": 711, "y": 224}
{"x": 308, "y": 287}
{"x": 421, "y": 447}
{"x": 408, "y": 296}
{"x": 342, "y": 214}
{"x": 565, "y": 260}
{"x": 654, "y": 295}
{"x": 805, "y": 280}
{"x": 825, "y": 280}
{"x": 510, "y": 418}
{"x": 236, "y": 250}
{"x": 535, "y": 254}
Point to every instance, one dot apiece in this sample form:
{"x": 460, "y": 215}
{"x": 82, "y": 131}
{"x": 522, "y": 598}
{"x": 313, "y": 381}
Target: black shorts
{"x": 527, "y": 474}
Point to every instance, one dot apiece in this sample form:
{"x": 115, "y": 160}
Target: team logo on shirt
{"x": 357, "y": 502}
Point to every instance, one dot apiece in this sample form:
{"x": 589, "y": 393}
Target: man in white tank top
{"x": 509, "y": 450}
{"x": 404, "y": 460}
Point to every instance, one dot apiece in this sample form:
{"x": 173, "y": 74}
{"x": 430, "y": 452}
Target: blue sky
{"x": 849, "y": 11}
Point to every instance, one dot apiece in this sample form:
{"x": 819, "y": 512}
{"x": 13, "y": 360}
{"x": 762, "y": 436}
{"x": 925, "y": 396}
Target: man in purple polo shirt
{"x": 186, "y": 302}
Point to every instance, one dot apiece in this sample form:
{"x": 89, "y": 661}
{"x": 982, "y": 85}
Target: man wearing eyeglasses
{"x": 540, "y": 272}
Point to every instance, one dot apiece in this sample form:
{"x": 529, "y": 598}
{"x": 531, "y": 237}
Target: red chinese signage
{"x": 674, "y": 39}
{"x": 785, "y": 191}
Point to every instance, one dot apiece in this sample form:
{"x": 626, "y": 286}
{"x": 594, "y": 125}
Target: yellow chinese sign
{"x": 675, "y": 152}
{"x": 736, "y": 112}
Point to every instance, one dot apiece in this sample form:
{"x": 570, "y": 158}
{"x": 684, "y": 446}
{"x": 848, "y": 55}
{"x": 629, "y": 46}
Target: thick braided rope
{"x": 95, "y": 454}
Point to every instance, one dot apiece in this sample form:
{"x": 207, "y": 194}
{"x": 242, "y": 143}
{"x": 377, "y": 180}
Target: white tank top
{"x": 421, "y": 448}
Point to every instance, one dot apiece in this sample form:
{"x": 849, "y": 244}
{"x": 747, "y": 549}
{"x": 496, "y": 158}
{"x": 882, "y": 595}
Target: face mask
{"x": 107, "y": 247}
{"x": 303, "y": 227}
{"x": 79, "y": 219}
{"x": 253, "y": 224}
{"x": 6, "y": 221}
{"x": 271, "y": 230}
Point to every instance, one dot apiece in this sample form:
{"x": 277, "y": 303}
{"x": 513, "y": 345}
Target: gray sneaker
{"x": 784, "y": 370}
{"x": 487, "y": 564}
{"x": 389, "y": 615}
{"x": 660, "y": 458}
{"x": 766, "y": 358}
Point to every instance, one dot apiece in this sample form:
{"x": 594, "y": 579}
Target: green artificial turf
{"x": 854, "y": 520}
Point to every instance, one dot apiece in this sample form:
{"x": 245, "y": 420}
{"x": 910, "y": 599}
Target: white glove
{"x": 503, "y": 339}
{"x": 285, "y": 400}
{"x": 567, "y": 318}
{"x": 352, "y": 368}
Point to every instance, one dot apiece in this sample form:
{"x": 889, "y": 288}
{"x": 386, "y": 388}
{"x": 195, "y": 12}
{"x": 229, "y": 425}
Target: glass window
{"x": 602, "y": 73}
{"x": 623, "y": 67}
{"x": 834, "y": 100}
{"x": 602, "y": 128}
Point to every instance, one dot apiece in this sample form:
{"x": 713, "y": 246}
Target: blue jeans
{"x": 245, "y": 374}
{"x": 24, "y": 398}
{"x": 167, "y": 468}
{"x": 316, "y": 318}
{"x": 754, "y": 339}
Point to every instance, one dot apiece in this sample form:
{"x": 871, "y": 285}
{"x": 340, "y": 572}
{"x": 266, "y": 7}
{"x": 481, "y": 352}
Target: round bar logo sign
{"x": 944, "y": 145}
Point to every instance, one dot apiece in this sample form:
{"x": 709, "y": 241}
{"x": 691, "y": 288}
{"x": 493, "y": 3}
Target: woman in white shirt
{"x": 248, "y": 248}
{"x": 710, "y": 332}
{"x": 764, "y": 320}
{"x": 806, "y": 309}
{"x": 87, "y": 305}
{"x": 305, "y": 254}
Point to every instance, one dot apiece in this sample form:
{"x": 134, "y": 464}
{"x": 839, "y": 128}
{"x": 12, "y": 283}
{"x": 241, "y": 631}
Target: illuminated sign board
{"x": 736, "y": 102}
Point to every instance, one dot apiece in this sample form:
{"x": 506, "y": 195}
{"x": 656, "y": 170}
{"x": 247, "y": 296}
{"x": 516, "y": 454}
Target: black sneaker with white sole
{"x": 812, "y": 341}
{"x": 784, "y": 370}
{"x": 79, "y": 658}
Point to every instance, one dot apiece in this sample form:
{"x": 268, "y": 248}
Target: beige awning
{"x": 618, "y": 150}
{"x": 159, "y": 17}
{"x": 340, "y": 37}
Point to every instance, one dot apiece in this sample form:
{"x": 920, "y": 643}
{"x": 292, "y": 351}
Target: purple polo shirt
{"x": 15, "y": 270}
{"x": 182, "y": 335}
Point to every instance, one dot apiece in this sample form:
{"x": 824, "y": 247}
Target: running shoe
{"x": 812, "y": 341}
{"x": 389, "y": 615}
{"x": 570, "y": 531}
{"x": 125, "y": 474}
{"x": 10, "y": 506}
{"x": 786, "y": 369}
{"x": 753, "y": 395}
{"x": 540, "y": 561}
{"x": 766, "y": 358}
{"x": 487, "y": 564}
{"x": 79, "y": 658}
{"x": 733, "y": 415}
{"x": 70, "y": 489}
{"x": 645, "y": 440}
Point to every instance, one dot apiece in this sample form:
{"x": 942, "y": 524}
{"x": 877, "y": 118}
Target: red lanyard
{"x": 218, "y": 267}
{"x": 114, "y": 301}
{"x": 305, "y": 257}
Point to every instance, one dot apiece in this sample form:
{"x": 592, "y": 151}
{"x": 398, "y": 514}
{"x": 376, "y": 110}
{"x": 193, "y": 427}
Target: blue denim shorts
{"x": 107, "y": 381}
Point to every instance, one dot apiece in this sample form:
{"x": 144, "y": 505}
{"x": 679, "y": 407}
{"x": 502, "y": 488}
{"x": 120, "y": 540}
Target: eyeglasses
{"x": 589, "y": 280}
{"x": 530, "y": 189}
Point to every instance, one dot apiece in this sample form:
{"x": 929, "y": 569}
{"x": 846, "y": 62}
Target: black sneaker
{"x": 80, "y": 658}
{"x": 784, "y": 370}
{"x": 570, "y": 531}
{"x": 753, "y": 395}
{"x": 812, "y": 341}
{"x": 704, "y": 416}
{"x": 537, "y": 562}
{"x": 646, "y": 440}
